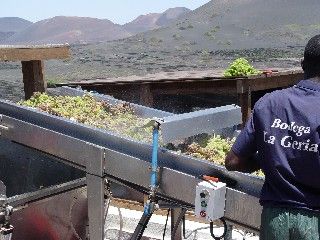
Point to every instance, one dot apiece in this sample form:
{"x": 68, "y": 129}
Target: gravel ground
{"x": 156, "y": 225}
{"x": 118, "y": 59}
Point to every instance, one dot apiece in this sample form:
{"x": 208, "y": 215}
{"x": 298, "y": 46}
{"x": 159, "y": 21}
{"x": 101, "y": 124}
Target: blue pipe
{"x": 154, "y": 163}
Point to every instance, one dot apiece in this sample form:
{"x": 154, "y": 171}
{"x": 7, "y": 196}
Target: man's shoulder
{"x": 274, "y": 98}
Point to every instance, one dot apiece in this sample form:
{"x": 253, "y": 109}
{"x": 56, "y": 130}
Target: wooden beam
{"x": 33, "y": 77}
{"x": 29, "y": 53}
{"x": 276, "y": 81}
{"x": 195, "y": 87}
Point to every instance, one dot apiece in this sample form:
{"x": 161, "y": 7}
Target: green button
{"x": 204, "y": 204}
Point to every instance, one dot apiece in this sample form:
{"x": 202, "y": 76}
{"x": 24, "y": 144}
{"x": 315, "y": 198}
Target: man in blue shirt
{"x": 282, "y": 137}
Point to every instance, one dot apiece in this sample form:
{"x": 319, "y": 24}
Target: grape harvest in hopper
{"x": 122, "y": 120}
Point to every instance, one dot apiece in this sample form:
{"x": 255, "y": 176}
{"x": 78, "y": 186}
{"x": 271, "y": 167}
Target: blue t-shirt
{"x": 285, "y": 130}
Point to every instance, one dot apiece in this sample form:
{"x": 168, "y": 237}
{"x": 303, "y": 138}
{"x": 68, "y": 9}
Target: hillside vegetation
{"x": 226, "y": 24}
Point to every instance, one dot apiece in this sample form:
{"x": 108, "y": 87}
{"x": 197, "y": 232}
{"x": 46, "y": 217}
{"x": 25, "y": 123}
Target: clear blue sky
{"x": 118, "y": 11}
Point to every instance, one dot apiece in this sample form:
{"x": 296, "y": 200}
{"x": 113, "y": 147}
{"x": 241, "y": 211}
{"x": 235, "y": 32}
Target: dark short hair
{"x": 311, "y": 61}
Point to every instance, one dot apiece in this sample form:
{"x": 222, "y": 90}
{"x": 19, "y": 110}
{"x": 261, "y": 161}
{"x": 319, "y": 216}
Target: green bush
{"x": 240, "y": 68}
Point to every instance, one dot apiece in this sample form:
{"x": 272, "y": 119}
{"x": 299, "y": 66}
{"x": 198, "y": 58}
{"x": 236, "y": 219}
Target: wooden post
{"x": 245, "y": 103}
{"x": 146, "y": 97}
{"x": 33, "y": 77}
{"x": 244, "y": 95}
{"x": 31, "y": 58}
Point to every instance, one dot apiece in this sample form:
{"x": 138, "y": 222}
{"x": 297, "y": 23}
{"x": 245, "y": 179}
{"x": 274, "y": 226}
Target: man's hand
{"x": 247, "y": 165}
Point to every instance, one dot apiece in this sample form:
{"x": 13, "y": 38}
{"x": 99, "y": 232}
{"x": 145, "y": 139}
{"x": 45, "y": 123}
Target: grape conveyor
{"x": 125, "y": 163}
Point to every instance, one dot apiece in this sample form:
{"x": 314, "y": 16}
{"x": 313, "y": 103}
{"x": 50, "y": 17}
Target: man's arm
{"x": 243, "y": 154}
{"x": 242, "y": 164}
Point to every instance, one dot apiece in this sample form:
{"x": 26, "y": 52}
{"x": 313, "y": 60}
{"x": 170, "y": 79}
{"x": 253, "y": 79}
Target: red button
{"x": 203, "y": 213}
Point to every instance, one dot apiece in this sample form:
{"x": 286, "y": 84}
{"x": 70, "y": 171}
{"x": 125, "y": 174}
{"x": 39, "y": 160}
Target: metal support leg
{"x": 142, "y": 225}
{"x": 228, "y": 235}
{"x": 96, "y": 209}
{"x": 176, "y": 223}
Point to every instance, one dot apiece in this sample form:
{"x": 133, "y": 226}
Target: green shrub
{"x": 240, "y": 68}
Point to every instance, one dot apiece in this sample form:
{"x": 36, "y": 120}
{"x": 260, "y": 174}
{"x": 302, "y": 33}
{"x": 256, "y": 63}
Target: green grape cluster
{"x": 240, "y": 68}
{"x": 85, "y": 109}
{"x": 214, "y": 149}
{"x": 122, "y": 120}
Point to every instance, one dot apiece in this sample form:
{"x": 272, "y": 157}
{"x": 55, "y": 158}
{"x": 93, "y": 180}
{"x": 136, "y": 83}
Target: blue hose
{"x": 154, "y": 164}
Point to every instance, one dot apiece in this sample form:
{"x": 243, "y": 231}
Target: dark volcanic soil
{"x": 122, "y": 58}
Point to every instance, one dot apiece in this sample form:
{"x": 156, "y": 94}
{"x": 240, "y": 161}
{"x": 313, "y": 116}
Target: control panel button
{"x": 204, "y": 204}
{"x": 203, "y": 214}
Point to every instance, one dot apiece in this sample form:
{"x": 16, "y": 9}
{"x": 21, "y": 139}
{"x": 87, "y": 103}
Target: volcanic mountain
{"x": 236, "y": 24}
{"x": 155, "y": 20}
{"x": 11, "y": 25}
{"x": 70, "y": 29}
{"x": 62, "y": 29}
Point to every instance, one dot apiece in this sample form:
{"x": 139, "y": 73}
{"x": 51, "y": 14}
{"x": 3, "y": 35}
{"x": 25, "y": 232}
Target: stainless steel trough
{"x": 102, "y": 154}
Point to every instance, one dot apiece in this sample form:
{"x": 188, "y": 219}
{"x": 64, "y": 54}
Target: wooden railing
{"x": 32, "y": 58}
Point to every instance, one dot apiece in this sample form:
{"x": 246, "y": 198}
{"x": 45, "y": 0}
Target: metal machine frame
{"x": 103, "y": 155}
